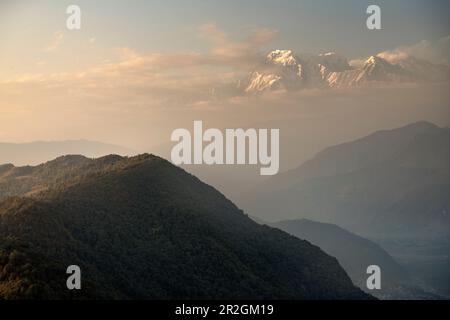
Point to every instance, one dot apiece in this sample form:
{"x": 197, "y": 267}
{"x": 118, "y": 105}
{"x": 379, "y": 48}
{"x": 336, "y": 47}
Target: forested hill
{"x": 143, "y": 228}
{"x": 31, "y": 180}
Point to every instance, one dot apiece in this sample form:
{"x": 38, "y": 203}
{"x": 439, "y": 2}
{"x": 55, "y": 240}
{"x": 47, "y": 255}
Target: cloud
{"x": 243, "y": 52}
{"x": 165, "y": 79}
{"x": 56, "y": 41}
{"x": 433, "y": 51}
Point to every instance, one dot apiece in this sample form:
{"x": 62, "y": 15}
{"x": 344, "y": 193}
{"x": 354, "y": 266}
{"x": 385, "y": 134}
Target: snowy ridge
{"x": 284, "y": 70}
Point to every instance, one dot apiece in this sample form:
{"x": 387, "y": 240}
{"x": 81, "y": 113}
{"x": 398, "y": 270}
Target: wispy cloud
{"x": 56, "y": 41}
{"x": 433, "y": 51}
{"x": 170, "y": 78}
{"x": 237, "y": 52}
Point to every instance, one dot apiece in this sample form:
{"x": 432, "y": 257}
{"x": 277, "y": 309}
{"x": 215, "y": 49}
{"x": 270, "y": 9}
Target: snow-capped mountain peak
{"x": 283, "y": 69}
{"x": 282, "y": 57}
{"x": 377, "y": 66}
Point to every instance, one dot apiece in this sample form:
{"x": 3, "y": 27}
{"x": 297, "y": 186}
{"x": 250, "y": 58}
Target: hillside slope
{"x": 145, "y": 229}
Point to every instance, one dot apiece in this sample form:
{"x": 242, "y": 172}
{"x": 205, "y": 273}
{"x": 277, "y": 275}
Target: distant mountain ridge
{"x": 362, "y": 153}
{"x": 141, "y": 228}
{"x": 368, "y": 185}
{"x": 38, "y": 152}
{"x": 355, "y": 254}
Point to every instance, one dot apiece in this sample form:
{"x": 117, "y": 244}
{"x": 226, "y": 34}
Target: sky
{"x": 168, "y": 26}
{"x": 138, "y": 69}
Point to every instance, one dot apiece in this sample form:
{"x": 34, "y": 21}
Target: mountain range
{"x": 390, "y": 183}
{"x": 141, "y": 228}
{"x": 391, "y": 186}
{"x": 286, "y": 70}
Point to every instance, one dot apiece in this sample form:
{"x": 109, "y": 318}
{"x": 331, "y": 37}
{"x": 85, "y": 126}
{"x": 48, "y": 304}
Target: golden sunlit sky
{"x": 138, "y": 69}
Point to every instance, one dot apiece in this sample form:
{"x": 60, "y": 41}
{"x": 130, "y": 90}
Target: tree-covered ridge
{"x": 143, "y": 228}
{"x": 28, "y": 180}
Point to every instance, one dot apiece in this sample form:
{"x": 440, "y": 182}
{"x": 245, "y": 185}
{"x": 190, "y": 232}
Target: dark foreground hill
{"x": 143, "y": 228}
